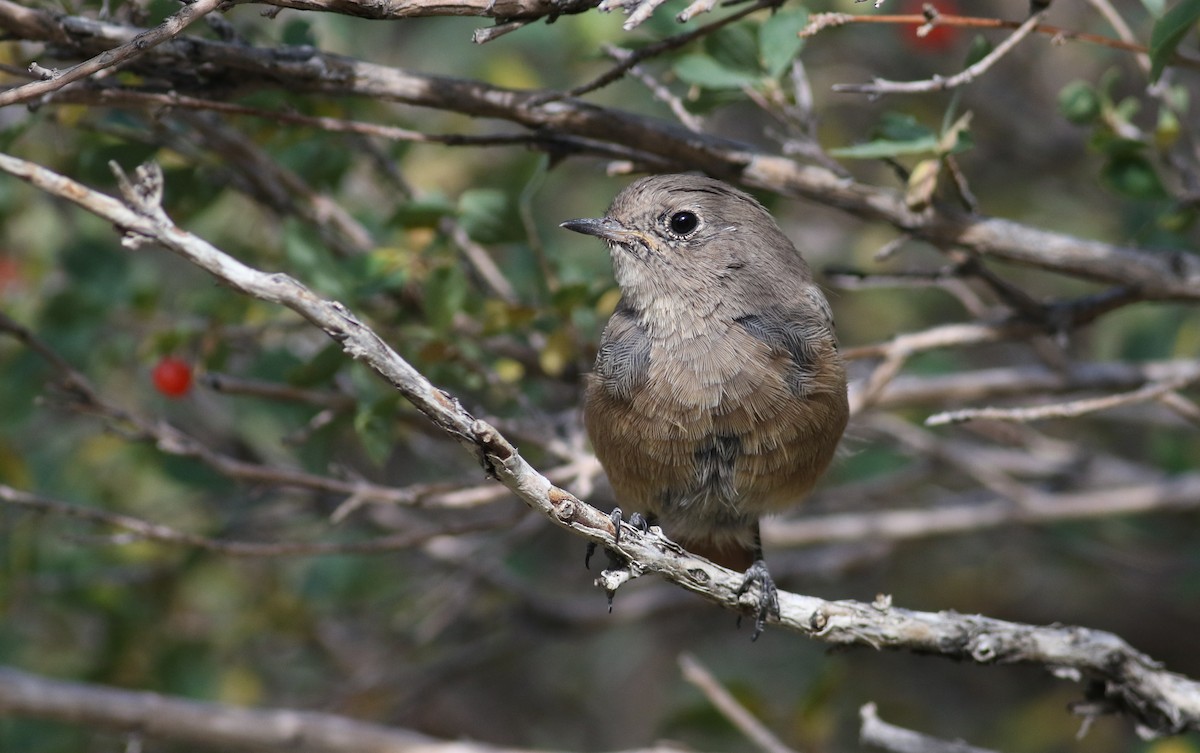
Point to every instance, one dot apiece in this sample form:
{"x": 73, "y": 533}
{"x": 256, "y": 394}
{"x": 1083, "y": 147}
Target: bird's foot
{"x": 768, "y": 596}
{"x": 615, "y": 560}
{"x": 637, "y": 520}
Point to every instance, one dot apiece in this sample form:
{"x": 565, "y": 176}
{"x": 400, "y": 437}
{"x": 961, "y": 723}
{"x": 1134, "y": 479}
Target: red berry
{"x": 941, "y": 37}
{"x": 172, "y": 377}
{"x": 10, "y": 273}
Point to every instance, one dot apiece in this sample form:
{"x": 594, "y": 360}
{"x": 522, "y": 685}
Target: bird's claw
{"x": 637, "y": 520}
{"x": 768, "y": 596}
{"x": 615, "y": 560}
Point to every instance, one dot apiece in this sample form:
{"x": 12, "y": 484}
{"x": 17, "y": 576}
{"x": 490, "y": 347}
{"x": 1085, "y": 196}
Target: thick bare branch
{"x": 219, "y": 726}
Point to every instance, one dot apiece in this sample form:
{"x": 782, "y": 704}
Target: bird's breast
{"x": 715, "y": 432}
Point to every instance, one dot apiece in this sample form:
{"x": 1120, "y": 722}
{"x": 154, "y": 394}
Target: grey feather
{"x": 798, "y": 335}
{"x": 624, "y": 355}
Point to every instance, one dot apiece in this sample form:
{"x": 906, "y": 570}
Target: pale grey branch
{"x": 219, "y": 726}
{"x": 876, "y": 732}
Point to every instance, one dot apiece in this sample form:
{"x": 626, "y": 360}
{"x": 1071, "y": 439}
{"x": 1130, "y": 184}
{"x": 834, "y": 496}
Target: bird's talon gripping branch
{"x": 615, "y": 517}
{"x": 768, "y": 595}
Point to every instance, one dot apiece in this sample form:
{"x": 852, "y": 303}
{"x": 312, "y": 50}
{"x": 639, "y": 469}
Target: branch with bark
{"x": 220, "y": 726}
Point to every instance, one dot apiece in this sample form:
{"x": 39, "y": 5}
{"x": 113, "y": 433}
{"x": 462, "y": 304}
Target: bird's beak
{"x": 605, "y": 227}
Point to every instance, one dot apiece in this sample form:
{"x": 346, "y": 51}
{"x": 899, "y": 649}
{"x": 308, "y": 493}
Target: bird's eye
{"x": 683, "y": 222}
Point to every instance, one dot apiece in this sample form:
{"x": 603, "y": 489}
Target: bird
{"x": 718, "y": 393}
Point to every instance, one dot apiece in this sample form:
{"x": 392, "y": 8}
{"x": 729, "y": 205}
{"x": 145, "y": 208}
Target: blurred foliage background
{"x": 497, "y": 634}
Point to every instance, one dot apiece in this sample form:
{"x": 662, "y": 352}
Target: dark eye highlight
{"x": 683, "y": 222}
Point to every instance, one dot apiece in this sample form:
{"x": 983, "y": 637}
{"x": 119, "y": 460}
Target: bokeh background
{"x": 497, "y": 635}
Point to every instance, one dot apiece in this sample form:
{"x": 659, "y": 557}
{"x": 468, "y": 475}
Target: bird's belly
{"x": 716, "y": 435}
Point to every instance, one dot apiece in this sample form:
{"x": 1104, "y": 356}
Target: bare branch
{"x": 876, "y": 732}
{"x": 632, "y": 58}
{"x": 1178, "y": 493}
{"x": 1022, "y": 381}
{"x": 396, "y": 9}
{"x": 139, "y": 529}
{"x": 939, "y": 83}
{"x": 819, "y": 22}
{"x": 220, "y": 726}
{"x": 737, "y": 714}
{"x": 138, "y": 45}
{"x": 1073, "y": 409}
{"x": 661, "y": 93}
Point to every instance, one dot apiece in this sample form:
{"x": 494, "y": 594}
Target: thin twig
{"x": 145, "y": 530}
{"x": 940, "y": 83}
{"x": 876, "y": 732}
{"x": 1105, "y": 8}
{"x": 972, "y": 515}
{"x": 143, "y": 42}
{"x": 820, "y": 21}
{"x": 721, "y": 699}
{"x": 1023, "y": 381}
{"x": 642, "y": 54}
{"x": 1072, "y": 409}
{"x": 233, "y": 385}
{"x": 690, "y": 121}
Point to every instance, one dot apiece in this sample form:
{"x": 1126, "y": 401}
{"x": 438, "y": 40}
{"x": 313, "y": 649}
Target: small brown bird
{"x": 718, "y": 393}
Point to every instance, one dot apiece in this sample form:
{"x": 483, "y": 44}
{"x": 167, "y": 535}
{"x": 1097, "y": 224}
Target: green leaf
{"x": 311, "y": 260}
{"x": 897, "y": 134}
{"x": 299, "y": 33}
{"x": 1169, "y": 31}
{"x": 1132, "y": 175}
{"x": 705, "y": 72}
{"x": 318, "y": 369}
{"x": 734, "y": 47}
{"x": 900, "y": 126}
{"x": 900, "y": 134}
{"x": 375, "y": 424}
{"x": 423, "y": 212}
{"x": 980, "y": 48}
{"x": 1079, "y": 102}
{"x": 487, "y": 215}
{"x": 445, "y": 295}
{"x": 779, "y": 39}
{"x": 882, "y": 148}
